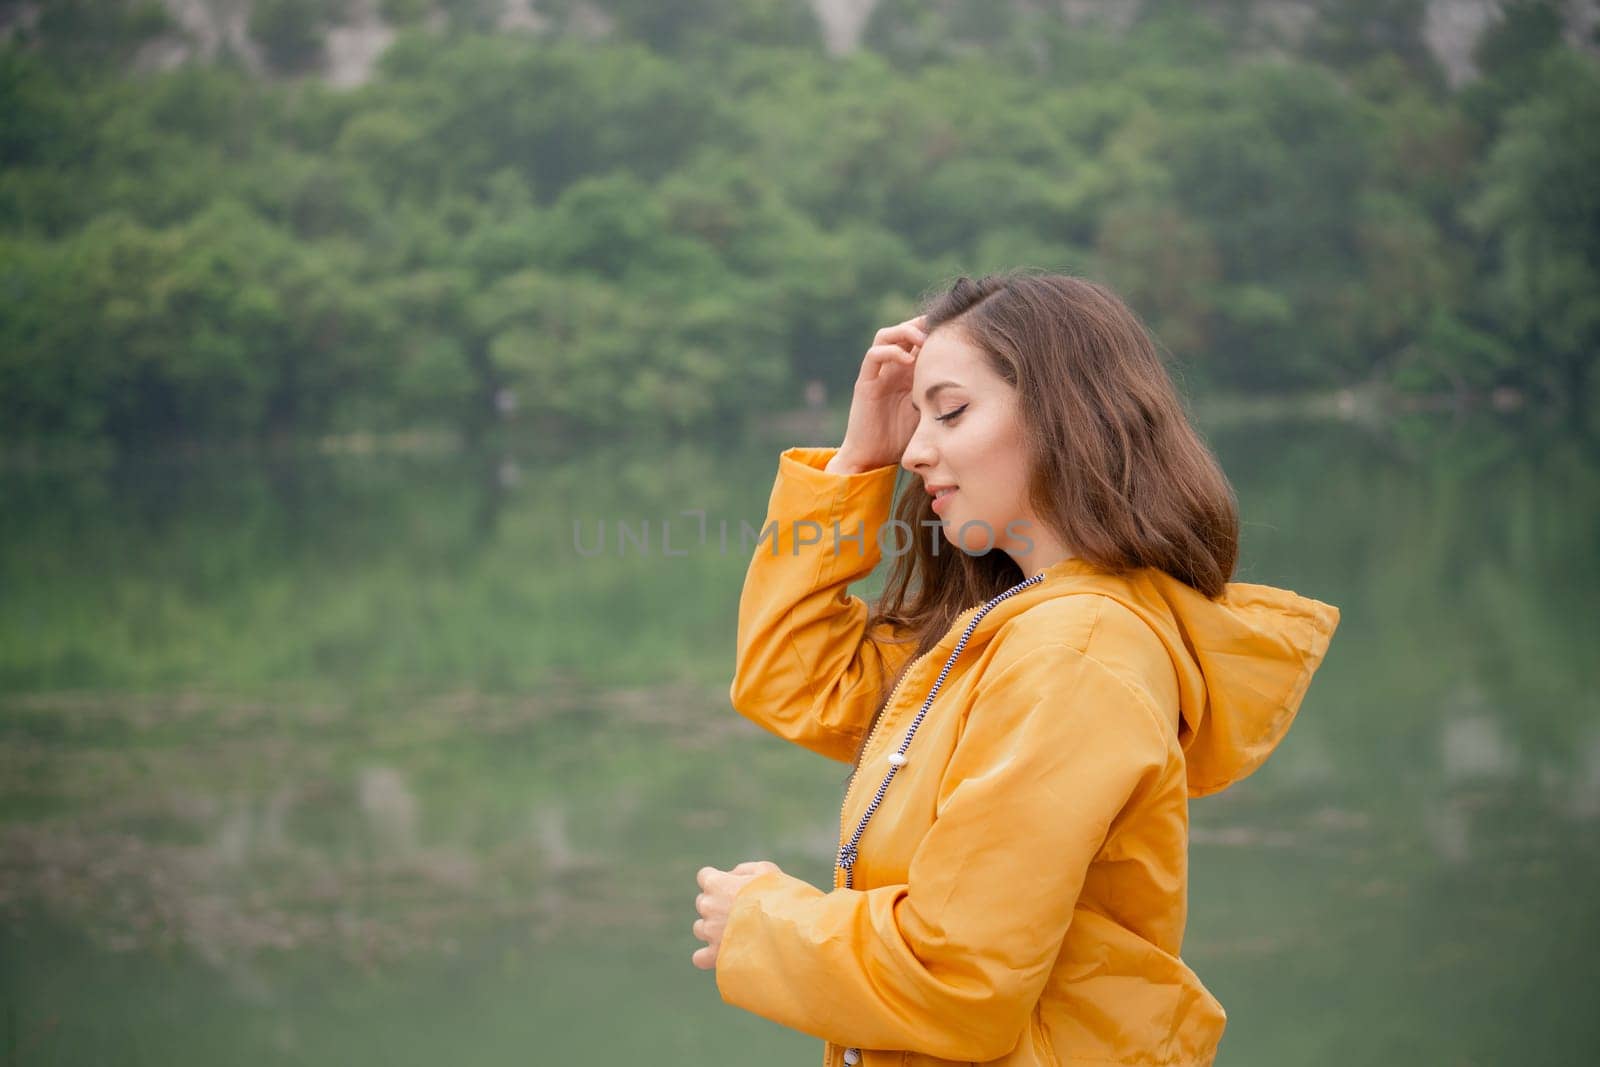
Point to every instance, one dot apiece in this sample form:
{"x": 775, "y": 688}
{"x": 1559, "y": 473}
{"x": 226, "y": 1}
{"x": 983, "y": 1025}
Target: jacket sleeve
{"x": 806, "y": 667}
{"x": 951, "y": 962}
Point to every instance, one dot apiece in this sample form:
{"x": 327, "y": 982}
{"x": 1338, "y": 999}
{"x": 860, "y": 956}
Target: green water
{"x": 355, "y": 758}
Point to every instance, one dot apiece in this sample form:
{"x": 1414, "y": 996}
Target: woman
{"x": 1045, "y": 682}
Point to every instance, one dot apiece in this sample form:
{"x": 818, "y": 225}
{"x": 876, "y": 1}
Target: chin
{"x": 978, "y": 540}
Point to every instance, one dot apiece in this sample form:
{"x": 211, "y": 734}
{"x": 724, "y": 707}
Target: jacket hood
{"x": 1243, "y": 660}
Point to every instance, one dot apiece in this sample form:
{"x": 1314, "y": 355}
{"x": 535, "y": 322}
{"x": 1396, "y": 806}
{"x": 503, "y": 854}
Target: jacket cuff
{"x": 803, "y": 491}
{"x": 750, "y": 960}
{"x": 804, "y": 488}
{"x": 802, "y": 459}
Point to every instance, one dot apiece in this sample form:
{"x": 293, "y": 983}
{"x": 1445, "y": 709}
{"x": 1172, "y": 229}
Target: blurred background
{"x": 384, "y": 383}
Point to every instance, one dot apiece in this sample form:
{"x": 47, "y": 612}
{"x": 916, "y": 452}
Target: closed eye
{"x": 951, "y": 415}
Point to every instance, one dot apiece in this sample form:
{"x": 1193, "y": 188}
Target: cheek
{"x": 999, "y": 498}
{"x": 1006, "y": 491}
{"x": 1000, "y": 481}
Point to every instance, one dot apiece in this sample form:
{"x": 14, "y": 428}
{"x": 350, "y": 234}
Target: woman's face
{"x": 969, "y": 435}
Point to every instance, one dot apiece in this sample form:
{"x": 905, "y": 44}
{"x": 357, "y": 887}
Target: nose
{"x": 919, "y": 453}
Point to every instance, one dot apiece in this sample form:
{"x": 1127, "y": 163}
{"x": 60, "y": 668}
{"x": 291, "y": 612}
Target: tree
{"x": 1540, "y": 205}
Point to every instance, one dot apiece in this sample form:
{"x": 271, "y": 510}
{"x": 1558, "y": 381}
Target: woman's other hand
{"x": 882, "y": 419}
{"x": 715, "y": 901}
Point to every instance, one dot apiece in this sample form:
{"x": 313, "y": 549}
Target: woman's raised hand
{"x": 882, "y": 419}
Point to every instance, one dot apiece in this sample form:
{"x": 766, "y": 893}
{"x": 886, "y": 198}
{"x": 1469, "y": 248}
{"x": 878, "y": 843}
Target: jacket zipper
{"x": 849, "y": 788}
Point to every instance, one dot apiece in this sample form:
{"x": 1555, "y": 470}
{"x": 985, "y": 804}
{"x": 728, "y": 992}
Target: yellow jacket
{"x": 1019, "y": 893}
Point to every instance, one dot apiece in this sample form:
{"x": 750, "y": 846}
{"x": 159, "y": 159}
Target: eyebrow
{"x": 934, "y": 389}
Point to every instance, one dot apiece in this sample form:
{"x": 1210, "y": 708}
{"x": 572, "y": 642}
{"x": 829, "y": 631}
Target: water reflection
{"x": 264, "y": 729}
{"x": 1583, "y": 801}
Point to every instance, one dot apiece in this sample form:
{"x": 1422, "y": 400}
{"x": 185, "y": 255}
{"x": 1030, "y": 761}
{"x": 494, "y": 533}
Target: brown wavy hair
{"x": 1117, "y": 471}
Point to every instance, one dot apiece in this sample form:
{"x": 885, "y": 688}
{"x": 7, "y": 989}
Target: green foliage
{"x": 88, "y": 32}
{"x": 692, "y": 25}
{"x": 1514, "y": 46}
{"x": 672, "y": 228}
{"x": 1349, "y": 33}
{"x": 1509, "y": 55}
{"x": 1540, "y": 205}
{"x": 403, "y": 12}
{"x": 290, "y": 31}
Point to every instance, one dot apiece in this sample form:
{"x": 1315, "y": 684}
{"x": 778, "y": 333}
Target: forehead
{"x": 948, "y": 355}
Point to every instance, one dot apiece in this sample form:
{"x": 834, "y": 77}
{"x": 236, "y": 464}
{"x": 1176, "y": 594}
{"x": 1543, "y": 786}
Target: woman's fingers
{"x": 719, "y": 887}
{"x": 907, "y": 333}
{"x": 755, "y": 867}
{"x": 881, "y": 356}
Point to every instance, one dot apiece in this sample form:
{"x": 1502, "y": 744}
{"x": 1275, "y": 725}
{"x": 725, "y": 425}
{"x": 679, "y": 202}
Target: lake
{"x": 355, "y": 756}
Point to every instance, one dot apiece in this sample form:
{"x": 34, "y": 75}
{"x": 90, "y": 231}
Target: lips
{"x": 941, "y": 499}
